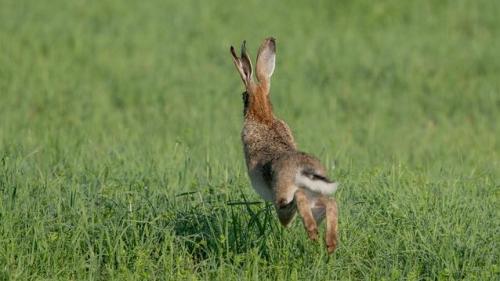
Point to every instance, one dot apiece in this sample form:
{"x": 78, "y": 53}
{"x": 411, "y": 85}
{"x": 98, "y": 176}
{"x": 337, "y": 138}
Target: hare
{"x": 291, "y": 179}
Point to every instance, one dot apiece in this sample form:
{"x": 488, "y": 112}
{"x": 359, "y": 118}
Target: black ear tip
{"x": 271, "y": 40}
{"x": 233, "y": 52}
{"x": 243, "y": 47}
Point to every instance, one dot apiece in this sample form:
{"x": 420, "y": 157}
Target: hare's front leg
{"x": 286, "y": 212}
{"x": 285, "y": 205}
{"x": 304, "y": 208}
{"x": 331, "y": 223}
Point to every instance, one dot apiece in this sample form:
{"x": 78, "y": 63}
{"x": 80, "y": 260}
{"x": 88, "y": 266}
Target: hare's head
{"x": 256, "y": 95}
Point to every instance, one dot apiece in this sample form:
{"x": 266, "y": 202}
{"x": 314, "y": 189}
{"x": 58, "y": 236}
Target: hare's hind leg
{"x": 304, "y": 209}
{"x": 331, "y": 223}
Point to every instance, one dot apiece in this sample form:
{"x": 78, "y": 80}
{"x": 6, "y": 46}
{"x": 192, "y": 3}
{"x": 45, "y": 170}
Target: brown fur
{"x": 271, "y": 154}
{"x": 259, "y": 105}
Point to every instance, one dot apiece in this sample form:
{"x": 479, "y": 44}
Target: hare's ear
{"x": 243, "y": 65}
{"x": 266, "y": 60}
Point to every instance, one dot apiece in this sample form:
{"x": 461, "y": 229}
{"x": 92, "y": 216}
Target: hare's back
{"x": 265, "y": 142}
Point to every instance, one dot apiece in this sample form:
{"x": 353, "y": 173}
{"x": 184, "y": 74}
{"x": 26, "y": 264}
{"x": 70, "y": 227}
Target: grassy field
{"x": 120, "y": 153}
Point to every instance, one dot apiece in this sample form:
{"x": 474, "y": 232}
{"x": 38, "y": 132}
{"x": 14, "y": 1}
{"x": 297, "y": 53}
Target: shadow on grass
{"x": 221, "y": 228}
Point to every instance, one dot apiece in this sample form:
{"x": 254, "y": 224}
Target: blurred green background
{"x": 120, "y": 153}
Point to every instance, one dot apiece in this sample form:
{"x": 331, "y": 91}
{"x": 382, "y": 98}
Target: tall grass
{"x": 120, "y": 156}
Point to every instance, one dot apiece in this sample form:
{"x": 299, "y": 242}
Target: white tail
{"x": 322, "y": 186}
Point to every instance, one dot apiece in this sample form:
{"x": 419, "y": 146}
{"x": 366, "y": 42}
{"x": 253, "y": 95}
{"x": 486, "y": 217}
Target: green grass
{"x": 120, "y": 155}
